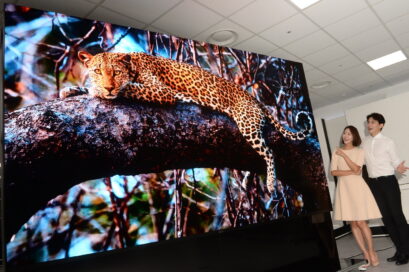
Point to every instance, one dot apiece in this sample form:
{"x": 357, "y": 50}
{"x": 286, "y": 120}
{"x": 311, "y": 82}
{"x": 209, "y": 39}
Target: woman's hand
{"x": 339, "y": 152}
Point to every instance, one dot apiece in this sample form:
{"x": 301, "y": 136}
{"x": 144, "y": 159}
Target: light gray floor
{"x": 347, "y": 249}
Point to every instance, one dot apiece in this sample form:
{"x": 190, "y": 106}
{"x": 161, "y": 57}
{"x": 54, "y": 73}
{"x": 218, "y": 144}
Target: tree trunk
{"x": 52, "y": 146}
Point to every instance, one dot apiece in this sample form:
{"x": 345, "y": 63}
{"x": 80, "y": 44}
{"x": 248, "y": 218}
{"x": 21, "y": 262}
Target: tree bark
{"x": 52, "y": 146}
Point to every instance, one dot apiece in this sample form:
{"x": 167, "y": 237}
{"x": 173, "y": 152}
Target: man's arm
{"x": 396, "y": 162}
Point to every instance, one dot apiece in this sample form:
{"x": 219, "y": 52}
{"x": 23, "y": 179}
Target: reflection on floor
{"x": 351, "y": 257}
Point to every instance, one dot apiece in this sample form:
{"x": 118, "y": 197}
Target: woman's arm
{"x": 355, "y": 168}
{"x": 340, "y": 173}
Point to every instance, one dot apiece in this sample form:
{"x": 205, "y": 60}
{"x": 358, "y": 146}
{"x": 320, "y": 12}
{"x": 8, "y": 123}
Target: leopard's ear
{"x": 84, "y": 57}
{"x": 126, "y": 58}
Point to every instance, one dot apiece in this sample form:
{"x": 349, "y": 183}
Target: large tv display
{"x": 116, "y": 137}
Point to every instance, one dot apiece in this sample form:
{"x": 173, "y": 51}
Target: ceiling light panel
{"x": 387, "y": 60}
{"x": 302, "y": 4}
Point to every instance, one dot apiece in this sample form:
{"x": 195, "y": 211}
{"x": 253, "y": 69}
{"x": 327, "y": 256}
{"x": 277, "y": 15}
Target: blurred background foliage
{"x": 122, "y": 211}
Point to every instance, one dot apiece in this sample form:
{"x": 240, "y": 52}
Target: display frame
{"x": 310, "y": 205}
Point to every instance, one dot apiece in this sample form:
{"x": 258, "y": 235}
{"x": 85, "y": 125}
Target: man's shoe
{"x": 394, "y": 258}
{"x": 403, "y": 259}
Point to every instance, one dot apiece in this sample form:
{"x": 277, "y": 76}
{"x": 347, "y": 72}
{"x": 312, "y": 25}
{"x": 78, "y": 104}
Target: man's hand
{"x": 402, "y": 168}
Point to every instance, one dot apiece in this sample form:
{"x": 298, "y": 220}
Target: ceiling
{"x": 332, "y": 38}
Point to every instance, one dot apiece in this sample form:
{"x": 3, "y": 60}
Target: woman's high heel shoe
{"x": 374, "y": 261}
{"x": 364, "y": 267}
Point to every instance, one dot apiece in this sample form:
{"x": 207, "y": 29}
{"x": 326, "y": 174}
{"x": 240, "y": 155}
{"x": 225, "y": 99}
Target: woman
{"x": 354, "y": 201}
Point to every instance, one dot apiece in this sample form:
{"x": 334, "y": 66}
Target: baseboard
{"x": 342, "y": 231}
{"x": 377, "y": 231}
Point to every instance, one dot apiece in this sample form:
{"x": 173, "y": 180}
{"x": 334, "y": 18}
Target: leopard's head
{"x": 109, "y": 73}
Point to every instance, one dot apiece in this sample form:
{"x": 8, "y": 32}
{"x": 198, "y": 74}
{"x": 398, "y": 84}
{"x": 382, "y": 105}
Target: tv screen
{"x": 116, "y": 137}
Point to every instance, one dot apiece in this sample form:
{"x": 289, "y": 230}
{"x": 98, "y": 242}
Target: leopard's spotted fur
{"x": 160, "y": 80}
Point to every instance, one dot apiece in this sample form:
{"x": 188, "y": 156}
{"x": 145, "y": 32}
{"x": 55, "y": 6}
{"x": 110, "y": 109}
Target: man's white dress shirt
{"x": 381, "y": 158}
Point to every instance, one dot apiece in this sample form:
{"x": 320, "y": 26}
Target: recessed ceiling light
{"x": 223, "y": 37}
{"x": 387, "y": 60}
{"x": 320, "y": 85}
{"x": 302, "y": 4}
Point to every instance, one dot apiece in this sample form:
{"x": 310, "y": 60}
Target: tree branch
{"x": 53, "y": 146}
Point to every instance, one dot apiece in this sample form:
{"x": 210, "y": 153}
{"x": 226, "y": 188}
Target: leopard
{"x": 154, "y": 79}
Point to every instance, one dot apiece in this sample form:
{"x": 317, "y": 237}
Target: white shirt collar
{"x": 379, "y": 135}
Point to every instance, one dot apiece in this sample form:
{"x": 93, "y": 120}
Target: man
{"x": 382, "y": 161}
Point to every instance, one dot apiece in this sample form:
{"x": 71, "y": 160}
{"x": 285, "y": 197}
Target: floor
{"x": 351, "y": 257}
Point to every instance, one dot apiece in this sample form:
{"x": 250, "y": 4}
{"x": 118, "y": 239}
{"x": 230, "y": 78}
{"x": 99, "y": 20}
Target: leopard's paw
{"x": 270, "y": 186}
{"x": 72, "y": 91}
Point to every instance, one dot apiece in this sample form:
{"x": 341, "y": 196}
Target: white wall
{"x": 384, "y": 102}
{"x": 396, "y": 111}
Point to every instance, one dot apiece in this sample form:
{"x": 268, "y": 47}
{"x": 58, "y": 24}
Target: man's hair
{"x": 376, "y": 116}
{"x": 356, "y": 139}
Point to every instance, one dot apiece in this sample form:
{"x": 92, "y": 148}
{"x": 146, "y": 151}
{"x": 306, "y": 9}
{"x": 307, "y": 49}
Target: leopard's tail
{"x": 299, "y": 135}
